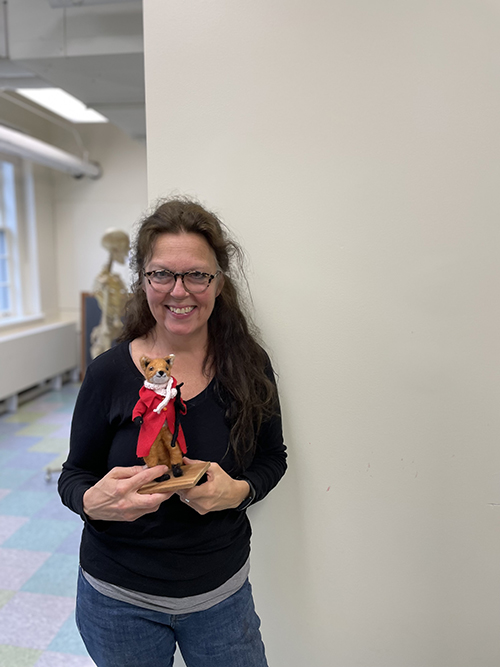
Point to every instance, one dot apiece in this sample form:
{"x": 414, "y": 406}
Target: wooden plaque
{"x": 193, "y": 472}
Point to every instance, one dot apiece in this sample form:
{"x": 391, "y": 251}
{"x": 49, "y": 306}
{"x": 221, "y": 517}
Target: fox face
{"x": 157, "y": 371}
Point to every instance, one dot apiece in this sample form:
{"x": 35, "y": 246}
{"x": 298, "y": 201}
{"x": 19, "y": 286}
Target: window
{"x": 19, "y": 284}
{"x": 5, "y": 291}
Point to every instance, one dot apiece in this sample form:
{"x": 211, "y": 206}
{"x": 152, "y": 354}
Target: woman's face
{"x": 178, "y": 312}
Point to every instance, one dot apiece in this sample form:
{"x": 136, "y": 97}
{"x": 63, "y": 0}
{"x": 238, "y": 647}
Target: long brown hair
{"x": 233, "y": 351}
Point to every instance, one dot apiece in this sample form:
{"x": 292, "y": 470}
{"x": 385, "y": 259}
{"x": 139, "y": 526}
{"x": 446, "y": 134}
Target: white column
{"x": 353, "y": 148}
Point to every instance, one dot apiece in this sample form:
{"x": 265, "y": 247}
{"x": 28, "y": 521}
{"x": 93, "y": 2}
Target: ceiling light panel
{"x": 63, "y": 104}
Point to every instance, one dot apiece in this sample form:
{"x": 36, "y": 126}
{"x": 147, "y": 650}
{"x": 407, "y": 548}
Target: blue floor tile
{"x": 12, "y": 477}
{"x": 60, "y": 418}
{"x": 71, "y": 545}
{"x": 40, "y": 538}
{"x": 56, "y": 510}
{"x": 6, "y": 455}
{"x": 10, "y": 525}
{"x": 39, "y": 483}
{"x": 19, "y": 442}
{"x": 24, "y": 503}
{"x": 34, "y": 460}
{"x": 40, "y": 535}
{"x": 57, "y": 576}
{"x": 7, "y": 428}
{"x": 68, "y": 639}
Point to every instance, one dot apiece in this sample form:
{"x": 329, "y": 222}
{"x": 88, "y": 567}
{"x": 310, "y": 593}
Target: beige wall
{"x": 353, "y": 148}
{"x": 84, "y": 209}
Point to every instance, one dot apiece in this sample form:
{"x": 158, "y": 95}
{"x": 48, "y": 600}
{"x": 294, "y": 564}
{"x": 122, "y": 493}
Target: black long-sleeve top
{"x": 175, "y": 551}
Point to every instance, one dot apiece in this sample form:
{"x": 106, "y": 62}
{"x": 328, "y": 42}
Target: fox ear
{"x": 170, "y": 359}
{"x": 144, "y": 361}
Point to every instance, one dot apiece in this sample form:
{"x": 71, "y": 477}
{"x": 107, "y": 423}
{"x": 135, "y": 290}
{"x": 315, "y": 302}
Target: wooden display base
{"x": 193, "y": 472}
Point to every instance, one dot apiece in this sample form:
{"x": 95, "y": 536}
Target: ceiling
{"x": 93, "y": 49}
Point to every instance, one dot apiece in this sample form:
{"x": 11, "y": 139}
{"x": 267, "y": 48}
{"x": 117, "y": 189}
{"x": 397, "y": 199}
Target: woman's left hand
{"x": 219, "y": 492}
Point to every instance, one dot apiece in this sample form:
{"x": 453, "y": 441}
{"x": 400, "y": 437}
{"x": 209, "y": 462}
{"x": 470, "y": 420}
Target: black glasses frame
{"x": 210, "y": 277}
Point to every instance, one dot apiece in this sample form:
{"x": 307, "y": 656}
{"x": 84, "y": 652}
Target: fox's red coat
{"x": 148, "y": 401}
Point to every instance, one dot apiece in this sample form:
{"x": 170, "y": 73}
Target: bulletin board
{"x": 91, "y": 316}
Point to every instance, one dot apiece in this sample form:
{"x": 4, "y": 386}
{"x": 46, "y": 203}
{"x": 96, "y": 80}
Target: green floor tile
{"x": 52, "y": 399}
{"x": 21, "y": 417}
{"x": 39, "y": 430}
{"x": 52, "y": 445}
{"x": 12, "y": 656}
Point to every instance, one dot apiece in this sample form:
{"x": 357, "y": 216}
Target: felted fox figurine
{"x": 161, "y": 439}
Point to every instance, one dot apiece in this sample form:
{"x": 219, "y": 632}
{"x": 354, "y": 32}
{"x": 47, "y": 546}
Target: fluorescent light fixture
{"x": 62, "y": 103}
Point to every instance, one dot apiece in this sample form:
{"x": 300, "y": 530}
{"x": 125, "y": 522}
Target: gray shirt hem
{"x": 168, "y": 605}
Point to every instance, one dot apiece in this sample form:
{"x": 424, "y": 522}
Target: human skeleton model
{"x": 110, "y": 293}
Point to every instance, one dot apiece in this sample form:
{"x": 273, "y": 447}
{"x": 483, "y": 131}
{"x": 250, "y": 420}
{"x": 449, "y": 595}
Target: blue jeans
{"x": 118, "y": 634}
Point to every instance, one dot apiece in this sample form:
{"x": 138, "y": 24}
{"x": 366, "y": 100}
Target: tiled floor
{"x": 39, "y": 539}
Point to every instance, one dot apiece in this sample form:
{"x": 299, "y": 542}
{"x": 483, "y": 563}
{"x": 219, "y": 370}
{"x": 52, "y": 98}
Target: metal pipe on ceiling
{"x": 85, "y": 3}
{"x": 29, "y": 148}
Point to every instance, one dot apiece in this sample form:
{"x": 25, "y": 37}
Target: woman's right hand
{"x": 115, "y": 497}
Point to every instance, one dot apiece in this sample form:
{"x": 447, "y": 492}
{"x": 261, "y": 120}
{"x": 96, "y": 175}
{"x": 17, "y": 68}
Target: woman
{"x": 167, "y": 568}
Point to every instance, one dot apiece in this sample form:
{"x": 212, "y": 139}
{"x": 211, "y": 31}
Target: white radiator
{"x": 33, "y": 356}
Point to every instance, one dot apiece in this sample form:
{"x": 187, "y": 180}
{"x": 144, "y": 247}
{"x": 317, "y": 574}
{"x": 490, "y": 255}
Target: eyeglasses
{"x": 194, "y": 282}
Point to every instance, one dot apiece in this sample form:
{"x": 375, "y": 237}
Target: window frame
{"x": 18, "y": 221}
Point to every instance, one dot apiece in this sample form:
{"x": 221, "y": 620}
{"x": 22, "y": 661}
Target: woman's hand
{"x": 219, "y": 492}
{"x": 115, "y": 497}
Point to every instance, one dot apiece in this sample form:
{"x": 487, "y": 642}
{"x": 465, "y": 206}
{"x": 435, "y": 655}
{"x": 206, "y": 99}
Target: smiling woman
{"x": 179, "y": 312}
{"x": 174, "y": 554}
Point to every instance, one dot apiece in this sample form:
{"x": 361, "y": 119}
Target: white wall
{"x": 353, "y": 148}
